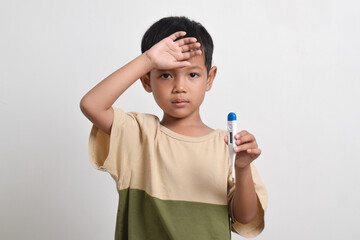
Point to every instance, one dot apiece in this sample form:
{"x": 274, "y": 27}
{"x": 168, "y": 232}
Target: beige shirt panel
{"x": 142, "y": 154}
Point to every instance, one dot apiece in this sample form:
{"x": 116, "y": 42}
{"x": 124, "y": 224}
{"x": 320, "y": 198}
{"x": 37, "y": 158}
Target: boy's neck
{"x": 191, "y": 126}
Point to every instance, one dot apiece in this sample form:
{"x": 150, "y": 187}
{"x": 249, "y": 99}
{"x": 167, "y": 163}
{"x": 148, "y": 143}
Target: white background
{"x": 289, "y": 69}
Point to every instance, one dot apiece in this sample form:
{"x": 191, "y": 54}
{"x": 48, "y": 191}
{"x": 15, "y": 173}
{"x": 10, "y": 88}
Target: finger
{"x": 187, "y": 55}
{"x": 245, "y": 139}
{"x": 244, "y": 147}
{"x": 226, "y": 139}
{"x": 255, "y": 151}
{"x": 242, "y": 133}
{"x": 189, "y": 47}
{"x": 176, "y": 35}
{"x": 185, "y": 41}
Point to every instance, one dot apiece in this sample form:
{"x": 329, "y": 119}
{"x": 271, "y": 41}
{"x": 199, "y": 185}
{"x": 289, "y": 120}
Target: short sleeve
{"x": 256, "y": 226}
{"x": 113, "y": 153}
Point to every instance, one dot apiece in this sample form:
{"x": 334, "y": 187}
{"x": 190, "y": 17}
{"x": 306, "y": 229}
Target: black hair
{"x": 169, "y": 25}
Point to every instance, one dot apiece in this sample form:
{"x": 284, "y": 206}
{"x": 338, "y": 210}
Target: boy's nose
{"x": 179, "y": 86}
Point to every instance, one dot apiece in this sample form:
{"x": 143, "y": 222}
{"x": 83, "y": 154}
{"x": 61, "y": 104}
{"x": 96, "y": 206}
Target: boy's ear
{"x": 145, "y": 80}
{"x": 211, "y": 77}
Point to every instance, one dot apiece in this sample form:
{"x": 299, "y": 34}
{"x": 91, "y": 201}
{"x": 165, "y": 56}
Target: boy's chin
{"x": 178, "y": 114}
{"x": 172, "y": 115}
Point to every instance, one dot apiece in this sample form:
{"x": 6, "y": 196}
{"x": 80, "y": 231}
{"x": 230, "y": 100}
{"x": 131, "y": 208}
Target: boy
{"x": 173, "y": 176}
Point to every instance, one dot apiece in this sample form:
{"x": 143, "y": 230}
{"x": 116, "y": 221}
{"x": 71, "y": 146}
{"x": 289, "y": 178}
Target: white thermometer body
{"x": 231, "y": 129}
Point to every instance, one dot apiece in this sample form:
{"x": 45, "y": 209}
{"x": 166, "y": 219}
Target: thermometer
{"x": 231, "y": 129}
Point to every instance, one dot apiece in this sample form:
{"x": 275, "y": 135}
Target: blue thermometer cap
{"x": 231, "y": 116}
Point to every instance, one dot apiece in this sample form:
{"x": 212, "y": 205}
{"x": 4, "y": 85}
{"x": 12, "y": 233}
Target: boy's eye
{"x": 193, "y": 75}
{"x": 165, "y": 76}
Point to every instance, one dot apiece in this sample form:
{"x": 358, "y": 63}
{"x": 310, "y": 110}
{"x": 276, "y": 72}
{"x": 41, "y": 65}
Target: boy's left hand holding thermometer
{"x": 243, "y": 148}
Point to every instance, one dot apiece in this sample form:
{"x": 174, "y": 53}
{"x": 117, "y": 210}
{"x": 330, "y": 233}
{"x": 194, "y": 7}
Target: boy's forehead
{"x": 198, "y": 61}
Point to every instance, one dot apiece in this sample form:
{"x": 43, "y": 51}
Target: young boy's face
{"x": 179, "y": 92}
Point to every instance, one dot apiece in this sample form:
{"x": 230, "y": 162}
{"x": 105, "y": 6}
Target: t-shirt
{"x": 170, "y": 186}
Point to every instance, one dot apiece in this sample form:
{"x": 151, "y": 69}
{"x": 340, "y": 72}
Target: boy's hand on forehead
{"x": 170, "y": 54}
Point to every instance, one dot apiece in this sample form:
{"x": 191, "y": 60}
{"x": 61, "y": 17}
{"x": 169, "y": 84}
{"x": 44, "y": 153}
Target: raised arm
{"x": 96, "y": 104}
{"x": 167, "y": 54}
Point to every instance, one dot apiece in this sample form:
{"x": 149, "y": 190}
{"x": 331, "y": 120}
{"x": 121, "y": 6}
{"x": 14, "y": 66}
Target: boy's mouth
{"x": 180, "y": 102}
